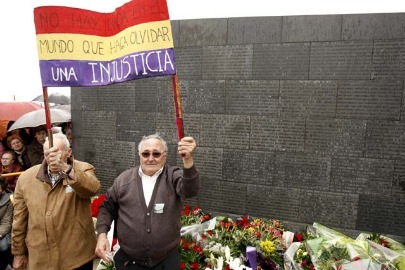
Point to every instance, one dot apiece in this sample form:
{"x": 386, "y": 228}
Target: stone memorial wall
{"x": 297, "y": 118}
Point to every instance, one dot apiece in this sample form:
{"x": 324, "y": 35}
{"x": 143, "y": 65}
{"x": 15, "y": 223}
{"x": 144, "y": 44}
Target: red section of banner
{"x": 177, "y": 106}
{"x": 58, "y": 19}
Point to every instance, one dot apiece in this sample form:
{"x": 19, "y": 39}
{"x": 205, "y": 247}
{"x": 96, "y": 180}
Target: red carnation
{"x": 198, "y": 249}
{"x": 384, "y": 243}
{"x": 95, "y": 205}
{"x": 299, "y": 237}
{"x": 196, "y": 210}
{"x": 205, "y": 217}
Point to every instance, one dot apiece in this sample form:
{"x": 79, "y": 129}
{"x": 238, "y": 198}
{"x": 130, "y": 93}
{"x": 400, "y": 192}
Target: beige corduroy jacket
{"x": 54, "y": 224}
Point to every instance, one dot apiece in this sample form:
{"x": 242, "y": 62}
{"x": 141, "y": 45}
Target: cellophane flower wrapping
{"x": 384, "y": 250}
{"x": 291, "y": 252}
{"x": 329, "y": 249}
{"x": 103, "y": 265}
{"x": 197, "y": 230}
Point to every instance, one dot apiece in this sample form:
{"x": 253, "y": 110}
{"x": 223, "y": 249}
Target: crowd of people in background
{"x": 23, "y": 148}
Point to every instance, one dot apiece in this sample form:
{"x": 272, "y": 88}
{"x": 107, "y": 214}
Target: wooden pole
{"x": 177, "y": 106}
{"x": 47, "y": 115}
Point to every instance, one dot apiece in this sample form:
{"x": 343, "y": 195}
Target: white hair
{"x": 153, "y": 136}
{"x": 56, "y": 130}
{"x": 62, "y": 137}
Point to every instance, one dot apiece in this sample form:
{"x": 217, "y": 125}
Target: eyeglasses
{"x": 4, "y": 158}
{"x": 154, "y": 154}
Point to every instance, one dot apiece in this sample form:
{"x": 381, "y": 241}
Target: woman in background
{"x": 9, "y": 165}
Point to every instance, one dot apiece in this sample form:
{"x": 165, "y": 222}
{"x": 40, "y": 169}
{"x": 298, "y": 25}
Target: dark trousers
{"x": 5, "y": 259}
{"x": 171, "y": 262}
{"x": 86, "y": 266}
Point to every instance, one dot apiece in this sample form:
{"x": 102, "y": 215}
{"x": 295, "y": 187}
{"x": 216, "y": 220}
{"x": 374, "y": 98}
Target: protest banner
{"x": 78, "y": 47}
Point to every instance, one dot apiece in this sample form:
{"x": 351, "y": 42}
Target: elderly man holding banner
{"x": 146, "y": 201}
{"x": 52, "y": 224}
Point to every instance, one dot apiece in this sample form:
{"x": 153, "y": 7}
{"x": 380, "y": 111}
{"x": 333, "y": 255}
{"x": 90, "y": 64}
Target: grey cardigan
{"x": 144, "y": 234}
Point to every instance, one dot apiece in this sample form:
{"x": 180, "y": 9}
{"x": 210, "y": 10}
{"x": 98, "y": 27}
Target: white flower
{"x": 227, "y": 253}
{"x": 220, "y": 263}
{"x": 234, "y": 263}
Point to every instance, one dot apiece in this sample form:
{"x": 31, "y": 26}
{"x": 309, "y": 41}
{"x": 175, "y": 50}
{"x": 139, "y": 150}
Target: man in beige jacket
{"x": 52, "y": 224}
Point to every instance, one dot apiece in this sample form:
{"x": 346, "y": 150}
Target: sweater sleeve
{"x": 7, "y": 220}
{"x": 108, "y": 210}
{"x": 187, "y": 182}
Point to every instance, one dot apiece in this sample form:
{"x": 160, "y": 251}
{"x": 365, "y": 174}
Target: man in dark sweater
{"x": 146, "y": 203}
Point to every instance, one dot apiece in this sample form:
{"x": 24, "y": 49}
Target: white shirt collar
{"x": 148, "y": 184}
{"x": 141, "y": 174}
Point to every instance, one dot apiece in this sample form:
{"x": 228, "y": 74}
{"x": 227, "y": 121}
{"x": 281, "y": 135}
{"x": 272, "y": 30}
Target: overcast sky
{"x": 20, "y": 68}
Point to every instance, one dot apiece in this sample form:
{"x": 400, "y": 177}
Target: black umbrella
{"x": 56, "y": 98}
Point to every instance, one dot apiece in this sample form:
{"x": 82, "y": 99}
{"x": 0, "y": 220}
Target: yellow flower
{"x": 267, "y": 246}
{"x": 251, "y": 230}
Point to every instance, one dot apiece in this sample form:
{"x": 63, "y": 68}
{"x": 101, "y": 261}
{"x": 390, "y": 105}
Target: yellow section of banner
{"x": 137, "y": 38}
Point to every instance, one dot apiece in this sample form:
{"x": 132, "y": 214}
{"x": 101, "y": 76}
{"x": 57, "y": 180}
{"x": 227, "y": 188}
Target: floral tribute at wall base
{"x": 251, "y": 243}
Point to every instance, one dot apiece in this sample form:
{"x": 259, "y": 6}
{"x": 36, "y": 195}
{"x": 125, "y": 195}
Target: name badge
{"x": 69, "y": 189}
{"x": 159, "y": 208}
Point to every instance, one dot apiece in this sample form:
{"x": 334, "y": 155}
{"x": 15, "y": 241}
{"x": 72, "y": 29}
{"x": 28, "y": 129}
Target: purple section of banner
{"x": 92, "y": 73}
{"x": 251, "y": 255}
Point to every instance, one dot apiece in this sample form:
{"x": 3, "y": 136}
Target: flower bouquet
{"x": 385, "y": 250}
{"x": 263, "y": 237}
{"x": 329, "y": 249}
{"x": 193, "y": 215}
{"x": 296, "y": 256}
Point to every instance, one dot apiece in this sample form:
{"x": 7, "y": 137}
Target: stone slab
{"x": 301, "y": 28}
{"x": 250, "y": 30}
{"x": 281, "y": 61}
{"x": 251, "y": 97}
{"x": 346, "y": 60}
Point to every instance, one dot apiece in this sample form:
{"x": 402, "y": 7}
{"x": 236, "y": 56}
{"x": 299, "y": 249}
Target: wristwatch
{"x": 68, "y": 170}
